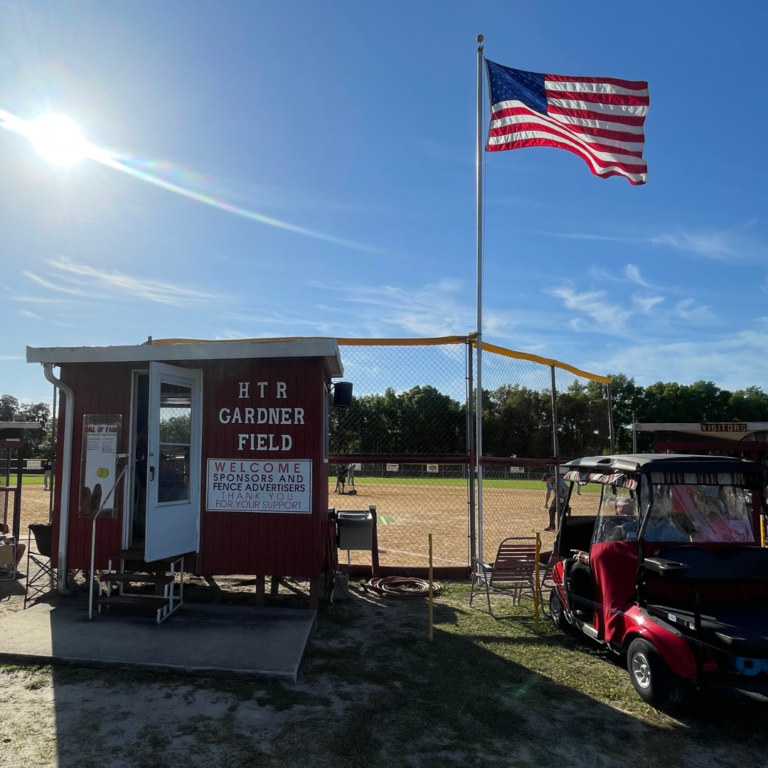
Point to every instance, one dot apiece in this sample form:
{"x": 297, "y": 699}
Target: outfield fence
{"x": 410, "y": 436}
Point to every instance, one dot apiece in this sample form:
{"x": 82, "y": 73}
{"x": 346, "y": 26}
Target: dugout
{"x": 741, "y": 439}
{"x": 222, "y": 447}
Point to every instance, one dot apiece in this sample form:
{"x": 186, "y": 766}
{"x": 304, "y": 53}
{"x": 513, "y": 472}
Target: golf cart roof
{"x": 656, "y": 462}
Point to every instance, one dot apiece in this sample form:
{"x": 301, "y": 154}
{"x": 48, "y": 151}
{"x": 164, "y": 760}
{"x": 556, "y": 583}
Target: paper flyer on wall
{"x": 101, "y": 440}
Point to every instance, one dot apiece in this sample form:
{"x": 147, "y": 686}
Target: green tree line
{"x": 517, "y": 420}
{"x": 671, "y": 402}
{"x": 37, "y": 441}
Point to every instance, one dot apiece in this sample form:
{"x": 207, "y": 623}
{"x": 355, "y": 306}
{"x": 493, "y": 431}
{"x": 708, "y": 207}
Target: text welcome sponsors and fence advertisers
{"x": 235, "y": 485}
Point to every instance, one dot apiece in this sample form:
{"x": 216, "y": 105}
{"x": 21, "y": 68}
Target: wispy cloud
{"x": 435, "y": 309}
{"x": 733, "y": 361}
{"x": 630, "y": 274}
{"x": 77, "y": 279}
{"x": 633, "y": 275}
{"x": 713, "y": 245}
{"x": 646, "y": 304}
{"x": 607, "y": 317}
{"x": 689, "y": 309}
{"x": 721, "y": 245}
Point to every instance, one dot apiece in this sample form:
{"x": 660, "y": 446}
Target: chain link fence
{"x": 408, "y": 436}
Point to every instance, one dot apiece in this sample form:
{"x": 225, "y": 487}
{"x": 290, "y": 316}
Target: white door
{"x": 173, "y": 461}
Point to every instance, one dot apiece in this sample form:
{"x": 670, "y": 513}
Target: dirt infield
{"x": 407, "y": 514}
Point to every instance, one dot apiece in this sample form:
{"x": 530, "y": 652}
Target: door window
{"x": 175, "y": 443}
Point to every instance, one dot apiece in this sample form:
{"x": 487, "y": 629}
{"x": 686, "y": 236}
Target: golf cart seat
{"x": 733, "y": 588}
{"x": 575, "y": 533}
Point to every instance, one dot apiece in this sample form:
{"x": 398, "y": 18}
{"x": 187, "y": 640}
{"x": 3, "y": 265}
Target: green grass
{"x": 374, "y": 691}
{"x": 528, "y": 485}
{"x": 25, "y": 480}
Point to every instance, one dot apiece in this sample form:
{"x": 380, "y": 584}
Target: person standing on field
{"x": 559, "y": 490}
{"x": 47, "y": 470}
{"x": 341, "y": 479}
{"x": 351, "y": 476}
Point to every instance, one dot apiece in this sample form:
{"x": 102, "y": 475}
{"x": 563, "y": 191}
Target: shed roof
{"x": 327, "y": 349}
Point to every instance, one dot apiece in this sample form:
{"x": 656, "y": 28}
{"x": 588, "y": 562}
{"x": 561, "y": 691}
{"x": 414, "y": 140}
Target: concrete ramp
{"x": 203, "y": 640}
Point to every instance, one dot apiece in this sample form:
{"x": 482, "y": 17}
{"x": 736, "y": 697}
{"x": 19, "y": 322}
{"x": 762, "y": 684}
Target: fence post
{"x": 471, "y": 453}
{"x": 611, "y": 435}
{"x": 555, "y": 446}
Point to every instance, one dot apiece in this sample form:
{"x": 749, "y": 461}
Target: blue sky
{"x": 354, "y": 123}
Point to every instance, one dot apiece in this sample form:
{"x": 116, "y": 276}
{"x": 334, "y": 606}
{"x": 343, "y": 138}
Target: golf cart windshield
{"x": 698, "y": 513}
{"x": 617, "y": 519}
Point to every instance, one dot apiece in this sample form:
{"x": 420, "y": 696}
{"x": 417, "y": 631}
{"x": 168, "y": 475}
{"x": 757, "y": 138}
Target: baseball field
{"x": 408, "y": 510}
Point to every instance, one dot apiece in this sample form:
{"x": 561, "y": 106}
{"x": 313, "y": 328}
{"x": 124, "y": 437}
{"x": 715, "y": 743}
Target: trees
{"x": 37, "y": 441}
{"x": 669, "y": 402}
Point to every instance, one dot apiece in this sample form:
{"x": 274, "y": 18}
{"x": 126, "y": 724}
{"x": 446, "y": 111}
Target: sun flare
{"x": 57, "y": 140}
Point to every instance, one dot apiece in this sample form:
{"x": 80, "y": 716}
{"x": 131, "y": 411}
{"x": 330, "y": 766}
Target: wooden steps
{"x": 163, "y": 605}
{"x": 135, "y": 578}
{"x": 132, "y": 601}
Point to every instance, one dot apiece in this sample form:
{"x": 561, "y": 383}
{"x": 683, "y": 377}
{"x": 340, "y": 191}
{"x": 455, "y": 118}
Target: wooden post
{"x": 536, "y": 591}
{"x": 274, "y": 586}
{"x": 431, "y": 601}
{"x": 314, "y": 593}
{"x": 260, "y": 590}
{"x": 762, "y": 529}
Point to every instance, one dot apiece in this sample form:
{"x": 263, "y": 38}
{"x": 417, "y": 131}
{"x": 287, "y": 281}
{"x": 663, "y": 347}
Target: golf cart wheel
{"x": 653, "y": 680}
{"x": 556, "y": 612}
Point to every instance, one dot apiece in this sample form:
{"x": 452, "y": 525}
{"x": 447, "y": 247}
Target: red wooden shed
{"x": 224, "y": 446}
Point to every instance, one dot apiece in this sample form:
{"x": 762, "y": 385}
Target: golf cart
{"x": 669, "y": 571}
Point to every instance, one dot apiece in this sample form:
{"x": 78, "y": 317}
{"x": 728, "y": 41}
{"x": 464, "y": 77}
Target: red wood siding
{"x": 257, "y": 542}
{"x": 231, "y": 542}
{"x": 102, "y": 389}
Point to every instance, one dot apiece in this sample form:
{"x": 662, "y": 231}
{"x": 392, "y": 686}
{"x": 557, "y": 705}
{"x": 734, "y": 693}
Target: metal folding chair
{"x": 40, "y": 560}
{"x": 514, "y": 566}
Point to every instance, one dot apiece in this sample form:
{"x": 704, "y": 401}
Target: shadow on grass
{"x": 375, "y": 692}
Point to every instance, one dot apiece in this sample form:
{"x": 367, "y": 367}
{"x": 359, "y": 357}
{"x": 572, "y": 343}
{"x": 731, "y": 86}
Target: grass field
{"x": 26, "y": 480}
{"x": 374, "y": 691}
{"x": 526, "y": 485}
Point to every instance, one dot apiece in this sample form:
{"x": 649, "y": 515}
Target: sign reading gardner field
{"x": 235, "y": 485}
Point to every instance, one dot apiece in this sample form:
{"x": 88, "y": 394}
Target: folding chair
{"x": 515, "y": 566}
{"x": 41, "y": 560}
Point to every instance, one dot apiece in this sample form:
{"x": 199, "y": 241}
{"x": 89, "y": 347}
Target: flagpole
{"x": 479, "y": 399}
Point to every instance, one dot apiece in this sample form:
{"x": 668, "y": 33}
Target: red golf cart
{"x": 668, "y": 569}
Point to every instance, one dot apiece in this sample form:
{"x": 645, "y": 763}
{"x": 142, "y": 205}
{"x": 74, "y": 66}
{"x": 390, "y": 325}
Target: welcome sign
{"x": 237, "y": 485}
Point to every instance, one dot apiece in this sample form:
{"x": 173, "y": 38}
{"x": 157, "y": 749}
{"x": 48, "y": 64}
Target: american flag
{"x": 600, "y": 119}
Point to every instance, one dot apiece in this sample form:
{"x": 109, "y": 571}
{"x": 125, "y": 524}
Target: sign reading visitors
{"x": 98, "y": 466}
{"x": 726, "y": 427}
{"x": 235, "y": 485}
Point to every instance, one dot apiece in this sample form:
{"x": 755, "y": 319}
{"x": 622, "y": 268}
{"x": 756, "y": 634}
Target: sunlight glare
{"x": 58, "y": 140}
